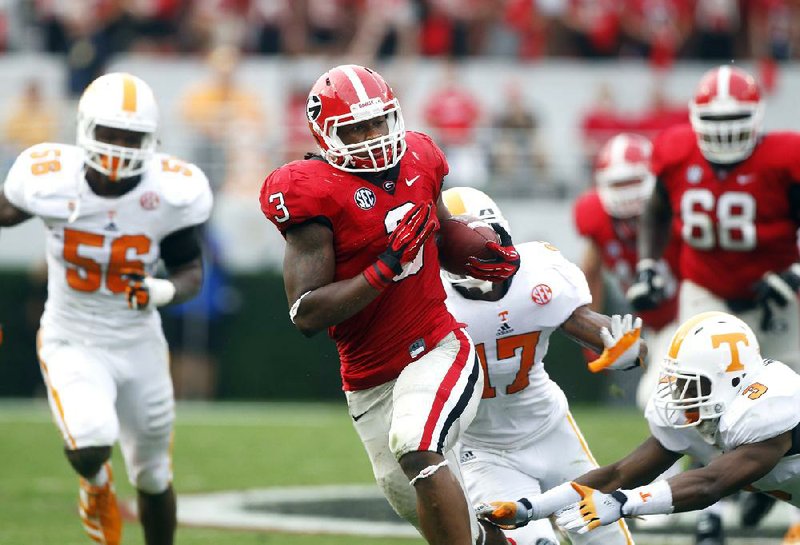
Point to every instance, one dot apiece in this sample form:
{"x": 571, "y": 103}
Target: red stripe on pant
{"x": 445, "y": 388}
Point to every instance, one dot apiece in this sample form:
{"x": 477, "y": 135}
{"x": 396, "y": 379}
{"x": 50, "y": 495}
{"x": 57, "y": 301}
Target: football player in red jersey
{"x": 608, "y": 217}
{"x": 734, "y": 197}
{"x": 361, "y": 262}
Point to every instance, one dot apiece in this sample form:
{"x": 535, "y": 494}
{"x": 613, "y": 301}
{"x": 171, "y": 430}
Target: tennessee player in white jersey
{"x": 719, "y": 401}
{"x": 523, "y": 437}
{"x": 113, "y": 209}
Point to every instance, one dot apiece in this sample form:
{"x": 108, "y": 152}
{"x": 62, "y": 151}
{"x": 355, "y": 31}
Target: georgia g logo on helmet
{"x": 347, "y": 95}
{"x": 313, "y": 107}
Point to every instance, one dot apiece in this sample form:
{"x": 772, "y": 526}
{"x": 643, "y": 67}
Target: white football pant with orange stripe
{"x": 101, "y": 394}
{"x": 523, "y": 471}
{"x": 426, "y": 408}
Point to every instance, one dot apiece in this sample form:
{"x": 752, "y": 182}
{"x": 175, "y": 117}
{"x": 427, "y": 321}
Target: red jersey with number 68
{"x": 736, "y": 223}
{"x": 409, "y": 317}
{"x": 616, "y": 240}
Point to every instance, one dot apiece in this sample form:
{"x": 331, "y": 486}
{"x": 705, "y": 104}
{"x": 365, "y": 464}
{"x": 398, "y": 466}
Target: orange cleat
{"x": 792, "y": 536}
{"x": 99, "y": 511}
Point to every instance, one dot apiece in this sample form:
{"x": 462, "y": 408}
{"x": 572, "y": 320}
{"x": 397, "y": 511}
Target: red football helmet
{"x": 350, "y": 94}
{"x": 726, "y": 114}
{"x": 622, "y": 175}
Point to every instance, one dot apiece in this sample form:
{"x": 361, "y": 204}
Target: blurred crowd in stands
{"x": 89, "y": 31}
{"x": 503, "y": 144}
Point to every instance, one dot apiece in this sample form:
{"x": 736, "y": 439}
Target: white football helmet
{"x": 704, "y": 370}
{"x": 468, "y": 200}
{"x": 120, "y": 101}
{"x": 726, "y": 113}
{"x": 622, "y": 175}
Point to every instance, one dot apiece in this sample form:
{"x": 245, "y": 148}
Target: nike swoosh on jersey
{"x": 410, "y": 182}
{"x": 356, "y": 418}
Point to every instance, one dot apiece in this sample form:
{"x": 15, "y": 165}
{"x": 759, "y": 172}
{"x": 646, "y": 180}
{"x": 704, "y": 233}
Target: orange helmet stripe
{"x": 128, "y": 94}
{"x": 685, "y": 328}
{"x": 454, "y": 203}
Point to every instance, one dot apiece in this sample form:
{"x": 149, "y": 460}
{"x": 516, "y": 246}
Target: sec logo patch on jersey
{"x": 149, "y": 200}
{"x": 694, "y": 174}
{"x": 365, "y": 198}
{"x": 541, "y": 294}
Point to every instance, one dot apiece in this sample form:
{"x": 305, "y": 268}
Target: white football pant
{"x": 426, "y": 408}
{"x": 101, "y": 394}
{"x": 506, "y": 475}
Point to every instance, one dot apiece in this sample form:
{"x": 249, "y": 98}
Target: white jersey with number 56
{"x": 520, "y": 402}
{"x": 93, "y": 240}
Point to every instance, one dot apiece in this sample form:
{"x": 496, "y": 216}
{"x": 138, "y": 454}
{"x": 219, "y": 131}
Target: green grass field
{"x": 219, "y": 447}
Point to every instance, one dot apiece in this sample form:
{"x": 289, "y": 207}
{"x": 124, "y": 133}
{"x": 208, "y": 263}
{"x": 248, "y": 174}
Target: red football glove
{"x": 404, "y": 244}
{"x": 502, "y": 267}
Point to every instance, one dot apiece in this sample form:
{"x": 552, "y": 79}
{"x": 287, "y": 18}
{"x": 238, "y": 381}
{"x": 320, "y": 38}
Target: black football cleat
{"x": 709, "y": 530}
{"x": 753, "y": 508}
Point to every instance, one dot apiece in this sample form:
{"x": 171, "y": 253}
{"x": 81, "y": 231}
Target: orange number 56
{"x": 50, "y": 161}
{"x": 86, "y": 274}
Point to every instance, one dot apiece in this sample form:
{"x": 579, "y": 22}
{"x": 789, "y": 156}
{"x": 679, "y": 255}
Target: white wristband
{"x": 646, "y": 263}
{"x": 296, "y": 306}
{"x": 652, "y": 499}
{"x": 161, "y": 291}
{"x": 551, "y": 501}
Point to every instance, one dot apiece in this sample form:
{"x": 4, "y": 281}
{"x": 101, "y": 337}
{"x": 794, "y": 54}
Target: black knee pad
{"x": 88, "y": 461}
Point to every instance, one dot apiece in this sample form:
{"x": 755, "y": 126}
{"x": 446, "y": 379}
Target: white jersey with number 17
{"x": 520, "y": 402}
{"x": 92, "y": 240}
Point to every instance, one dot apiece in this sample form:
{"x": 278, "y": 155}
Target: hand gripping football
{"x": 461, "y": 237}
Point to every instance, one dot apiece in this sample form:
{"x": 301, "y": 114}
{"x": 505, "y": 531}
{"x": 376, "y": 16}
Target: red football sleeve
{"x": 289, "y": 197}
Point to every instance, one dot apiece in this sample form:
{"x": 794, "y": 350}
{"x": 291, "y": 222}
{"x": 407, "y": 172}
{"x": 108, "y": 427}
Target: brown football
{"x": 461, "y": 237}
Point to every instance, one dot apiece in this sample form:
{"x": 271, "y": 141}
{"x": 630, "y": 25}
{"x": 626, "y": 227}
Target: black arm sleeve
{"x": 794, "y": 202}
{"x": 181, "y": 247}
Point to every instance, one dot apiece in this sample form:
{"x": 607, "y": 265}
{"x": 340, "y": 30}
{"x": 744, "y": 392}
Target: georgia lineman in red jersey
{"x": 360, "y": 261}
{"x": 734, "y": 197}
{"x": 608, "y": 217}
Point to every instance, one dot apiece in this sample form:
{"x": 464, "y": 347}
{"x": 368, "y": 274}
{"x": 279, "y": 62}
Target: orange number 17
{"x": 507, "y": 348}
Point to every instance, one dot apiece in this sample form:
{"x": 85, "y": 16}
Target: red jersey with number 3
{"x": 616, "y": 240}
{"x": 736, "y": 223}
{"x": 409, "y": 317}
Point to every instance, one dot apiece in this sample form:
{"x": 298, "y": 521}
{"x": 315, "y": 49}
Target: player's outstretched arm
{"x": 727, "y": 473}
{"x": 641, "y": 466}
{"x": 9, "y": 214}
{"x": 649, "y": 460}
{"x": 688, "y": 491}
{"x": 616, "y": 338}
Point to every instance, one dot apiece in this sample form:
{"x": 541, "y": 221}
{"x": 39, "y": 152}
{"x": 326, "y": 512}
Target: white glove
{"x": 648, "y": 290}
{"x": 622, "y": 344}
{"x": 598, "y": 509}
{"x": 145, "y": 292}
{"x": 594, "y": 509}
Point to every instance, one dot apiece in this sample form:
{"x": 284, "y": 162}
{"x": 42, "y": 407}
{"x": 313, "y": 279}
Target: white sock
{"x": 101, "y": 478}
{"x": 714, "y": 509}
